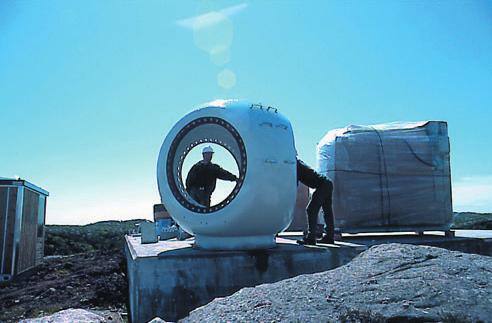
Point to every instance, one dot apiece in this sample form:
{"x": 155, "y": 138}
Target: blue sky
{"x": 89, "y": 89}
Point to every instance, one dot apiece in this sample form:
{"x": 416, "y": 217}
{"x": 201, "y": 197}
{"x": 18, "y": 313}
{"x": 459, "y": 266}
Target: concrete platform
{"x": 469, "y": 241}
{"x": 170, "y": 278}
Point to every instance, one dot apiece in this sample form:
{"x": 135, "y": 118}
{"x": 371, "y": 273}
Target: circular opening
{"x": 221, "y": 157}
{"x": 198, "y": 133}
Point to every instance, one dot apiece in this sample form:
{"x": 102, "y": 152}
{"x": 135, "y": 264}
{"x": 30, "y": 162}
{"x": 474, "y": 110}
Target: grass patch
{"x": 73, "y": 239}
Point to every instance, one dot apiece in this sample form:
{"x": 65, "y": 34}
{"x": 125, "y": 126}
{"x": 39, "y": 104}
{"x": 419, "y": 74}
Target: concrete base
{"x": 170, "y": 278}
{"x": 469, "y": 241}
{"x": 232, "y": 243}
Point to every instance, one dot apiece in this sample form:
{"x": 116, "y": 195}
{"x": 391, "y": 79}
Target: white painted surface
{"x": 139, "y": 250}
{"x": 265, "y": 203}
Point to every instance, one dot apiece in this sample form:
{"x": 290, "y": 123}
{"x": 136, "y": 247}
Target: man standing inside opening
{"x": 202, "y": 178}
{"x": 321, "y": 198}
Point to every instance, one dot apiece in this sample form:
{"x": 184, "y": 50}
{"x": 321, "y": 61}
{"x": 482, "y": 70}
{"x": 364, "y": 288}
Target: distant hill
{"x": 109, "y": 235}
{"x": 471, "y": 220}
{"x": 72, "y": 239}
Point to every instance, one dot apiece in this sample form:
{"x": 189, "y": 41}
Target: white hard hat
{"x": 207, "y": 149}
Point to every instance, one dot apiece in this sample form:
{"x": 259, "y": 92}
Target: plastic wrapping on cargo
{"x": 389, "y": 177}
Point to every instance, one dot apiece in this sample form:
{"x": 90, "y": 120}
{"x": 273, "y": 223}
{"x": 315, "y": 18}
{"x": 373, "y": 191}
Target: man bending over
{"x": 321, "y": 198}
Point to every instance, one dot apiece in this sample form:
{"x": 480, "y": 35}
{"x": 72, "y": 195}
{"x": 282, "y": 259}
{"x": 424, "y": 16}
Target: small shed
{"x": 22, "y": 220}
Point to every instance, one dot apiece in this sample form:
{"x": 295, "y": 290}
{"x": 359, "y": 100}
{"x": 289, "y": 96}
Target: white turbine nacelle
{"x": 262, "y": 202}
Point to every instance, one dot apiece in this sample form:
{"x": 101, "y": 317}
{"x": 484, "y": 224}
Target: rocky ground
{"x": 93, "y": 281}
{"x": 387, "y": 283}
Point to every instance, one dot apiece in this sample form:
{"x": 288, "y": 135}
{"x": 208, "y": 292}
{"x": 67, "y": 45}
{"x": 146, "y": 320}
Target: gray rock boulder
{"x": 71, "y": 315}
{"x": 387, "y": 283}
{"x": 157, "y": 320}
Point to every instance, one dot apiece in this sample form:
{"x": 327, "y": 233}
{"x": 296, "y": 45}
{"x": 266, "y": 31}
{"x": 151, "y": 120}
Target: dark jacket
{"x": 204, "y": 176}
{"x": 308, "y": 176}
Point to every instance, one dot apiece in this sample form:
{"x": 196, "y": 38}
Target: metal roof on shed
{"x": 22, "y": 182}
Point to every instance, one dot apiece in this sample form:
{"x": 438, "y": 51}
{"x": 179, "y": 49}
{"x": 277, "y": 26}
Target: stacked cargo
{"x": 389, "y": 177}
{"x": 299, "y": 220}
